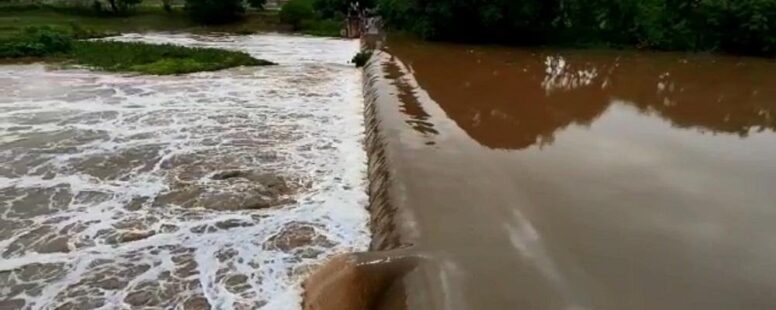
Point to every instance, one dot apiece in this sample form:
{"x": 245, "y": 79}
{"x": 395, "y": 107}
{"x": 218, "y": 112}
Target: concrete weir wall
{"x": 372, "y": 280}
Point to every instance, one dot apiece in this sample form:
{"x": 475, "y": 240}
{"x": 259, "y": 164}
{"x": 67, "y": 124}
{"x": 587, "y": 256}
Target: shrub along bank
{"x": 57, "y": 45}
{"x": 307, "y": 17}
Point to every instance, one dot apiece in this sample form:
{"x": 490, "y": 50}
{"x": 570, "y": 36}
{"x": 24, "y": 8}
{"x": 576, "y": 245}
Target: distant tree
{"x": 167, "y": 5}
{"x": 295, "y": 12}
{"x": 97, "y": 6}
{"x": 215, "y": 11}
{"x": 741, "y": 26}
{"x": 257, "y": 4}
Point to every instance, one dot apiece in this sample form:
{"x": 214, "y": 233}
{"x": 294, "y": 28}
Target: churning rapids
{"x": 218, "y": 189}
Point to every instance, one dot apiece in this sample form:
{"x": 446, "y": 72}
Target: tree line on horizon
{"x": 739, "y": 26}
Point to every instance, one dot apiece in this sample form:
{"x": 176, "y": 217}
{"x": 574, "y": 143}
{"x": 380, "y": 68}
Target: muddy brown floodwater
{"x": 215, "y": 190}
{"x": 550, "y": 179}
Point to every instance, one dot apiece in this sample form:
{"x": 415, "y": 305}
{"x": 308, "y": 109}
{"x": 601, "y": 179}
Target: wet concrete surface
{"x": 546, "y": 179}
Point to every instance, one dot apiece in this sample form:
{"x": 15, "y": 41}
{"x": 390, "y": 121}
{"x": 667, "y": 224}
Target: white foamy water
{"x": 218, "y": 189}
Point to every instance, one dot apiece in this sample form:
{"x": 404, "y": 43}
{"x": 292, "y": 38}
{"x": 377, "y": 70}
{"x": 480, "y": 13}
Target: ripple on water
{"x": 218, "y": 189}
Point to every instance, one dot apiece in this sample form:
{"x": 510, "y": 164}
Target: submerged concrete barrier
{"x": 371, "y": 280}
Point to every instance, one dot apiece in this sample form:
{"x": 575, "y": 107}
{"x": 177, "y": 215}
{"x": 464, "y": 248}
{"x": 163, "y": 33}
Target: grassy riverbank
{"x": 55, "y": 33}
{"x": 156, "y": 59}
{"x": 144, "y": 19}
{"x": 55, "y": 45}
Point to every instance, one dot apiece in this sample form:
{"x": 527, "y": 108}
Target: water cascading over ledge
{"x": 372, "y": 280}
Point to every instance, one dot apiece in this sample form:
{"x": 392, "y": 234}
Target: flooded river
{"x": 218, "y": 189}
{"x": 501, "y": 179}
{"x": 551, "y": 179}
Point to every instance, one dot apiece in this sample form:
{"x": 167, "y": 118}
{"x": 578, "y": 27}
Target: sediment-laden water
{"x": 568, "y": 179}
{"x": 218, "y": 189}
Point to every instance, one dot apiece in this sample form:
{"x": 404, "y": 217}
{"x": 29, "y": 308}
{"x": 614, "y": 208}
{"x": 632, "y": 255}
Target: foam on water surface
{"x": 221, "y": 188}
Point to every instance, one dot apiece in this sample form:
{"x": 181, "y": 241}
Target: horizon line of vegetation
{"x": 732, "y": 26}
{"x": 297, "y": 15}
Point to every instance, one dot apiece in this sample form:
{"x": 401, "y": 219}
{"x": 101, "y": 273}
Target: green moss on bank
{"x": 51, "y": 44}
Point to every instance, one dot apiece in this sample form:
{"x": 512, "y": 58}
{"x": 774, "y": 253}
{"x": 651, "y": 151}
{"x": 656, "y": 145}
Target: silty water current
{"x": 219, "y": 189}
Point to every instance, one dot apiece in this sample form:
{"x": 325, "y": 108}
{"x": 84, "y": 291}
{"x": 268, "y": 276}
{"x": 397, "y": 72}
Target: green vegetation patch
{"x": 322, "y": 27}
{"x": 165, "y": 59}
{"x": 141, "y": 19}
{"x": 157, "y": 59}
{"x": 303, "y": 16}
{"x": 35, "y": 42}
{"x": 144, "y": 19}
{"x": 195, "y": 16}
{"x": 295, "y": 12}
